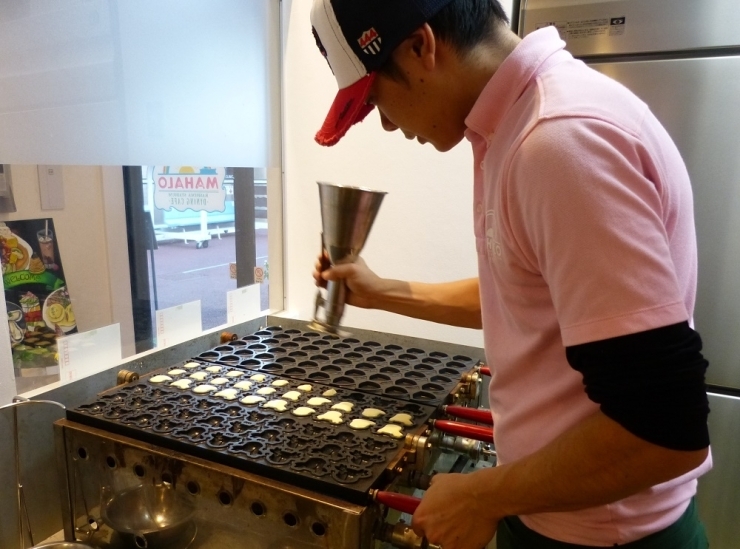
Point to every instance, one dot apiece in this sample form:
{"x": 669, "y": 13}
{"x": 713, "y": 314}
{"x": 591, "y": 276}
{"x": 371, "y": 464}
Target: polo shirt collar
{"x": 535, "y": 53}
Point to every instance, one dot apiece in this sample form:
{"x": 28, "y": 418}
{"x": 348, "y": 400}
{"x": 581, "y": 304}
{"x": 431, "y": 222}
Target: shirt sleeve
{"x": 651, "y": 383}
{"x": 587, "y": 213}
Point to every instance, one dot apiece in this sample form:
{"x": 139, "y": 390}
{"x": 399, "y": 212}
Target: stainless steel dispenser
{"x": 347, "y": 215}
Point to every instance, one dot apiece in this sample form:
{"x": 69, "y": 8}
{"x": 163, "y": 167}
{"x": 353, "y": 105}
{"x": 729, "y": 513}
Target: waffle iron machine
{"x": 282, "y": 438}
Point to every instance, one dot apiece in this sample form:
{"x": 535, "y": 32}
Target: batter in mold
{"x": 277, "y": 404}
{"x": 317, "y": 401}
{"x": 160, "y": 378}
{"x": 361, "y": 424}
{"x": 303, "y": 411}
{"x": 182, "y": 383}
{"x": 331, "y": 416}
{"x": 252, "y": 399}
{"x": 393, "y": 431}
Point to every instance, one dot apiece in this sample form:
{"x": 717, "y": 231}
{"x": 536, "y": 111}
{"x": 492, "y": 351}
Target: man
{"x": 587, "y": 274}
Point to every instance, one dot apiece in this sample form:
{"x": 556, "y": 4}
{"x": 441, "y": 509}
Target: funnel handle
{"x": 336, "y": 294}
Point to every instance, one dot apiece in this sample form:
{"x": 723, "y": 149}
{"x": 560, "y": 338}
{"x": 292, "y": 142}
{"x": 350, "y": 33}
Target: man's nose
{"x": 387, "y": 124}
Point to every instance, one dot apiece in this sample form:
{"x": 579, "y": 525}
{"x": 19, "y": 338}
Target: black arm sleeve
{"x": 651, "y": 383}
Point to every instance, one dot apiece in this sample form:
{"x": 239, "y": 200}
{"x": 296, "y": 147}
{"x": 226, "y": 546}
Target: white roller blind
{"x": 135, "y": 82}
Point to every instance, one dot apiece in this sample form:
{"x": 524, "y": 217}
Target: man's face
{"x": 417, "y": 108}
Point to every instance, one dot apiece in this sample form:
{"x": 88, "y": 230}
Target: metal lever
{"x": 399, "y": 502}
{"x": 473, "y": 414}
{"x": 485, "y": 371}
{"x": 476, "y": 432}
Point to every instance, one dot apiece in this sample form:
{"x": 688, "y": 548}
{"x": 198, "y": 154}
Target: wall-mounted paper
{"x": 243, "y": 304}
{"x": 88, "y": 353}
{"x": 178, "y": 324}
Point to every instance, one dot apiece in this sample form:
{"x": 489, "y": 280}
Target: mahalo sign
{"x": 186, "y": 187}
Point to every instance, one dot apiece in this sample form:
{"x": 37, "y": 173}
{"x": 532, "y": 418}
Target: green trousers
{"x": 686, "y": 533}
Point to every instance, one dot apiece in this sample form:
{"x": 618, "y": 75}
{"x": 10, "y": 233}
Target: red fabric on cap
{"x": 349, "y": 107}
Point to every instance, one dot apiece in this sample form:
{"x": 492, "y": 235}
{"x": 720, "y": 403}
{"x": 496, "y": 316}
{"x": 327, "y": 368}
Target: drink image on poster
{"x": 36, "y": 295}
{"x": 45, "y": 238}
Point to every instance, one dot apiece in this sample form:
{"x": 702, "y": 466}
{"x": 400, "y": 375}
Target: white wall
{"x": 80, "y": 236}
{"x": 91, "y": 240}
{"x": 424, "y": 230}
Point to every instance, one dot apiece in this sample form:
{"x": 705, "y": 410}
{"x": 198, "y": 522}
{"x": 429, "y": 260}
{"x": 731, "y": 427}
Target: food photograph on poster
{"x": 38, "y": 303}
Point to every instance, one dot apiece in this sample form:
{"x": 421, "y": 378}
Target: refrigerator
{"x": 682, "y": 58}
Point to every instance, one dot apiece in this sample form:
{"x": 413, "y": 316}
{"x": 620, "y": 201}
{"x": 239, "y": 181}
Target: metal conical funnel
{"x": 347, "y": 215}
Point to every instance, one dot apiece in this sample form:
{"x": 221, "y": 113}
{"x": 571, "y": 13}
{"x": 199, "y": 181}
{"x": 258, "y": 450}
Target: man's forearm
{"x": 455, "y": 303}
{"x": 594, "y": 463}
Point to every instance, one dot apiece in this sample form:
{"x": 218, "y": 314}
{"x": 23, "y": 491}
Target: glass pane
{"x": 200, "y": 232}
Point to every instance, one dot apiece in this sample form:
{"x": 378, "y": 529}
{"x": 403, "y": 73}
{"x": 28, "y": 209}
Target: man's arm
{"x": 455, "y": 303}
{"x": 594, "y": 463}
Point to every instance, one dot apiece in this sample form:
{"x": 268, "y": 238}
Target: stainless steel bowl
{"x": 63, "y": 545}
{"x": 150, "y": 517}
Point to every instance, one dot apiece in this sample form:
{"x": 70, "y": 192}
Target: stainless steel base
{"x": 234, "y": 509}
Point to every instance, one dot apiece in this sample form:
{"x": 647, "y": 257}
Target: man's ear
{"x": 421, "y": 47}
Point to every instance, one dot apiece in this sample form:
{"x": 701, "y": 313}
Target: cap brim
{"x": 350, "y": 107}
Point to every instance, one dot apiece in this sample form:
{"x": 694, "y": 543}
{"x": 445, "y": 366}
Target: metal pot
{"x": 151, "y": 517}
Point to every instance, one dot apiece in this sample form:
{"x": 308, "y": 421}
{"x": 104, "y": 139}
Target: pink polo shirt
{"x": 585, "y": 231}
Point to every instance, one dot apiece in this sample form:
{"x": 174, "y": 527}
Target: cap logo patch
{"x": 370, "y": 41}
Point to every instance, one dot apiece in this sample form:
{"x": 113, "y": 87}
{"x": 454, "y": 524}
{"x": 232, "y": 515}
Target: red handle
{"x": 476, "y": 432}
{"x": 399, "y": 502}
{"x": 485, "y": 371}
{"x": 473, "y": 414}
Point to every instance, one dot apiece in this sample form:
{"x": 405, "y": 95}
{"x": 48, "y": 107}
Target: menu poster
{"x": 38, "y": 304}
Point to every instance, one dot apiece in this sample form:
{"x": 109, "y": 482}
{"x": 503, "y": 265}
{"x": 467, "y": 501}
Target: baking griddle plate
{"x": 303, "y": 451}
{"x": 409, "y": 374}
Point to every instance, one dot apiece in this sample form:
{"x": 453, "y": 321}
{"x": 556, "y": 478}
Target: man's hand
{"x": 364, "y": 287}
{"x": 452, "y": 515}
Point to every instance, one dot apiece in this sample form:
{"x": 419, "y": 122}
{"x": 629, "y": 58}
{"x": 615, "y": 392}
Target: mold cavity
{"x": 82, "y": 453}
{"x": 111, "y": 462}
{"x": 167, "y": 479}
{"x": 290, "y": 519}
{"x": 225, "y": 498}
{"x": 193, "y": 487}
{"x": 139, "y": 470}
{"x": 462, "y": 358}
{"x": 258, "y": 508}
{"x": 438, "y": 354}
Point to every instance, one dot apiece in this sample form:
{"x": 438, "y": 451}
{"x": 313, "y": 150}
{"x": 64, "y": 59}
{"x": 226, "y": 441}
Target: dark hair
{"x": 466, "y": 23}
{"x": 463, "y": 24}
